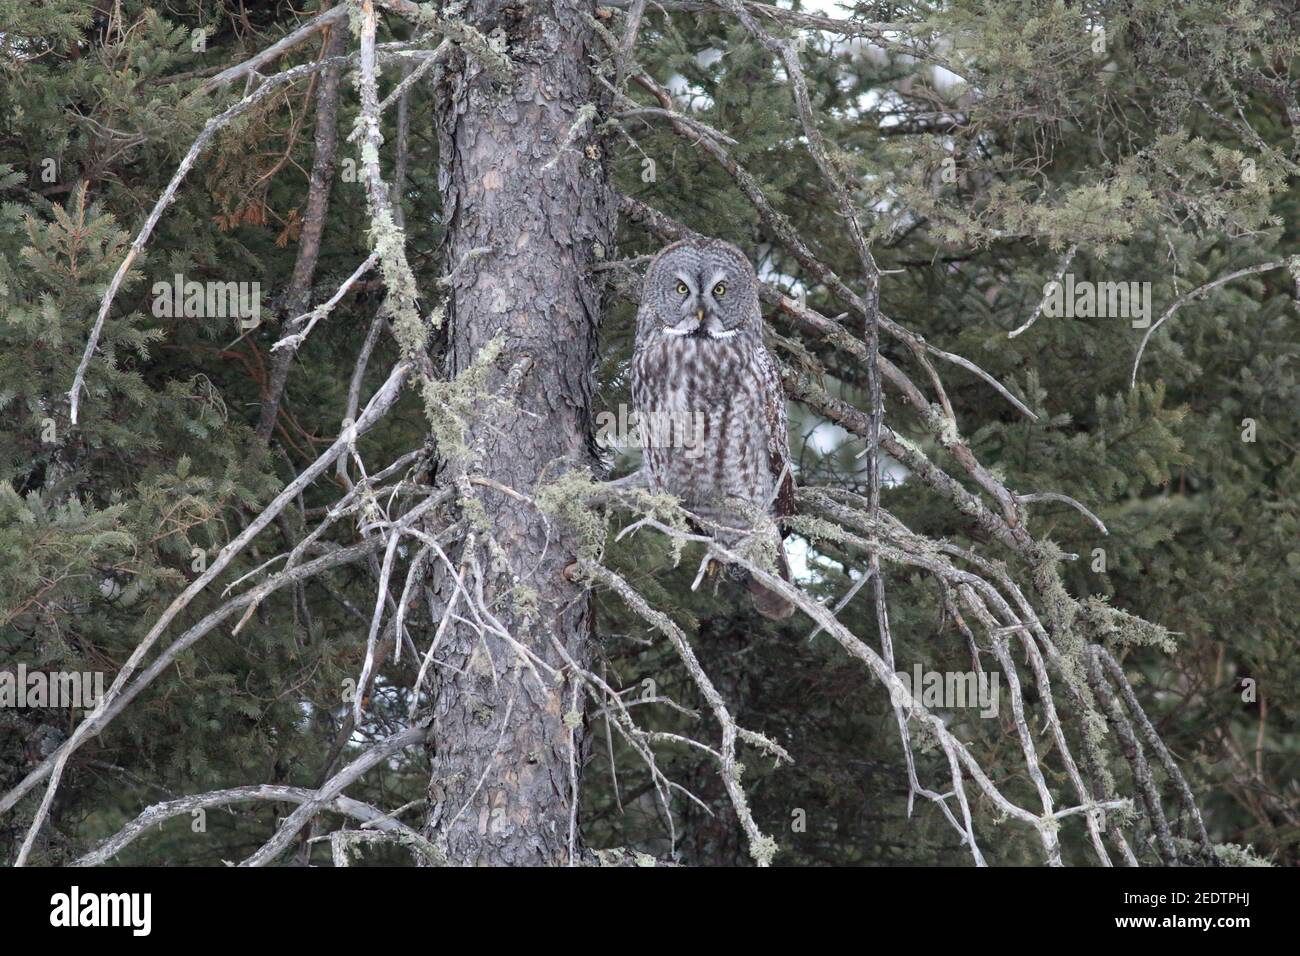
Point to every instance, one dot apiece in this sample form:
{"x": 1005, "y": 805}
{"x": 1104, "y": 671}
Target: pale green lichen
{"x": 618, "y": 856}
{"x": 452, "y": 405}
{"x": 568, "y": 498}
{"x": 437, "y": 317}
{"x": 389, "y": 243}
{"x": 763, "y": 850}
{"x": 526, "y": 602}
{"x": 1231, "y": 854}
{"x": 476, "y": 515}
{"x": 1103, "y": 622}
{"x": 924, "y": 737}
{"x": 818, "y": 529}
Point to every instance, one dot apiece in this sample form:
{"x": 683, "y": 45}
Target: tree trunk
{"x": 527, "y": 211}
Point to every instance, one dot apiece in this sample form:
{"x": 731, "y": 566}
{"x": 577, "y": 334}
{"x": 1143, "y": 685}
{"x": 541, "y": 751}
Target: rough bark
{"x": 527, "y": 211}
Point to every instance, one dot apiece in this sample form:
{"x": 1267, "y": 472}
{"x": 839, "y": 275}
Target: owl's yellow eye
{"x": 681, "y": 288}
{"x": 720, "y": 289}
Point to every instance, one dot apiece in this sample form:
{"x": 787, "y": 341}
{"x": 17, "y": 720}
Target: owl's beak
{"x": 699, "y": 315}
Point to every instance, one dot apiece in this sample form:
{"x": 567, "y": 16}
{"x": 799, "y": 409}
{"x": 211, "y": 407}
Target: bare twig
{"x": 305, "y": 32}
{"x": 313, "y": 220}
{"x": 1065, "y": 499}
{"x": 1047, "y": 294}
{"x": 1192, "y": 296}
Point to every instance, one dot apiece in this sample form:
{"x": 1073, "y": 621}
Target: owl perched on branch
{"x": 708, "y": 397}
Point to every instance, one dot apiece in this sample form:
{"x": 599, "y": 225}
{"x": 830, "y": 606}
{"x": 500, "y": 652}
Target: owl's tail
{"x": 768, "y": 603}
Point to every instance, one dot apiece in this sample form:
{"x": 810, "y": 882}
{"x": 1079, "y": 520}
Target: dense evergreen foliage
{"x": 1164, "y": 155}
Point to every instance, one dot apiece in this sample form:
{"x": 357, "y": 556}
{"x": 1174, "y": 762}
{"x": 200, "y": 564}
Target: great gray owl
{"x": 708, "y": 398}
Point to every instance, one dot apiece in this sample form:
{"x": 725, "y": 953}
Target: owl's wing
{"x": 772, "y": 396}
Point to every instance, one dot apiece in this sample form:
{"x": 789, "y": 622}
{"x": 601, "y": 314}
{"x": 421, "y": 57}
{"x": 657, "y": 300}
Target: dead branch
{"x": 160, "y": 812}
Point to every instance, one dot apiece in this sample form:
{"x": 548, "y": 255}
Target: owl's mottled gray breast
{"x": 709, "y": 401}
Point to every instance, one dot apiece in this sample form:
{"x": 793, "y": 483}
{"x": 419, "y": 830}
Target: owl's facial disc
{"x": 696, "y": 303}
